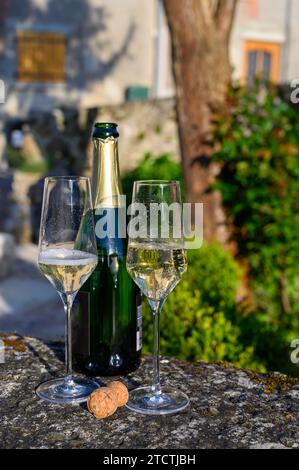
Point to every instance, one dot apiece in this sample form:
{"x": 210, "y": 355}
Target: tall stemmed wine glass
{"x": 156, "y": 261}
{"x": 67, "y": 257}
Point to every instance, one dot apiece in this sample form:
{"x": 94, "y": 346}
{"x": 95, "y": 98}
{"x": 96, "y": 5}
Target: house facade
{"x": 88, "y": 53}
{"x": 265, "y": 40}
{"x": 75, "y": 52}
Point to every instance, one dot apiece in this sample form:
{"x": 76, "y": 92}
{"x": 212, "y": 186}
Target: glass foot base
{"x": 169, "y": 401}
{"x": 67, "y": 390}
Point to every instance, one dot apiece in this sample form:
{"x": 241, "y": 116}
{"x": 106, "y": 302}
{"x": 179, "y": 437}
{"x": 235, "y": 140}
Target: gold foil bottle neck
{"x": 106, "y": 182}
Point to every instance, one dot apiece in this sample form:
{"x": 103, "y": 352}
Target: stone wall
{"x": 63, "y": 137}
{"x": 144, "y": 127}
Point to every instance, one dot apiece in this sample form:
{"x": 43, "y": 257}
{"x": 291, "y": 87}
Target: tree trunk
{"x": 200, "y": 32}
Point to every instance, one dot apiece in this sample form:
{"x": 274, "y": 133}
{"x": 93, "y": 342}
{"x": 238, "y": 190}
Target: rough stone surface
{"x": 230, "y": 408}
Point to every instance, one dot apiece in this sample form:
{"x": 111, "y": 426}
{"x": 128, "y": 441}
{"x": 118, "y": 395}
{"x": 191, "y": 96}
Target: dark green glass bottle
{"x": 107, "y": 318}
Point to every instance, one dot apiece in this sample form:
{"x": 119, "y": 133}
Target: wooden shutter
{"x": 41, "y": 56}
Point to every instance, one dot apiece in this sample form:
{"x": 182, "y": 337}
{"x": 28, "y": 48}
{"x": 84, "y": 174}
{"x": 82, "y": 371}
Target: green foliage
{"x": 217, "y": 274}
{"x": 151, "y": 168}
{"x": 19, "y": 161}
{"x": 140, "y": 136}
{"x": 199, "y": 319}
{"x": 259, "y": 182}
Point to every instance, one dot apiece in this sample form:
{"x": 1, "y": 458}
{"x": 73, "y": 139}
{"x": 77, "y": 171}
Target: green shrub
{"x": 19, "y": 161}
{"x": 151, "y": 168}
{"x": 201, "y": 319}
{"x": 259, "y": 182}
{"x": 215, "y": 272}
{"x": 195, "y": 323}
{"x": 260, "y": 185}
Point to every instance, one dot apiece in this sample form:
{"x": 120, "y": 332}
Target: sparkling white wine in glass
{"x": 67, "y": 270}
{"x": 156, "y": 261}
{"x": 67, "y": 257}
{"x": 156, "y": 268}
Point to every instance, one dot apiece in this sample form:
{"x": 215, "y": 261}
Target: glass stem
{"x": 156, "y": 349}
{"x": 68, "y": 336}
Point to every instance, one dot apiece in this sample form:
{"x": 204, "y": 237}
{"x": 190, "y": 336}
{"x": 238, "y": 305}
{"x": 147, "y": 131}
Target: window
{"x": 262, "y": 60}
{"x": 41, "y": 57}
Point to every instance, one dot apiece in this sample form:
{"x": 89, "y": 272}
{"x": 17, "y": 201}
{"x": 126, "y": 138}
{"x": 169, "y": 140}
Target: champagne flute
{"x": 67, "y": 257}
{"x": 156, "y": 261}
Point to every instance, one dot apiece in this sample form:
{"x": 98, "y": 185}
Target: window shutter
{"x": 41, "y": 56}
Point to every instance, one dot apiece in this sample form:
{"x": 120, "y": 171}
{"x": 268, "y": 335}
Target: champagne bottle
{"x": 107, "y": 319}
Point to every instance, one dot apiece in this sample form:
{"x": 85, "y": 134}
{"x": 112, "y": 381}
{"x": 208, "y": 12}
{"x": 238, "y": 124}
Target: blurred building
{"x": 265, "y": 40}
{"x": 76, "y": 52}
{"x": 92, "y": 52}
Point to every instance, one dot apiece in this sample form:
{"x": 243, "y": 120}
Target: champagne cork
{"x": 104, "y": 402}
{"x": 122, "y": 393}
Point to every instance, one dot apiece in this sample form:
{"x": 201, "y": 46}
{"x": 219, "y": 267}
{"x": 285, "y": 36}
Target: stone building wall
{"x": 64, "y": 135}
{"x": 145, "y": 127}
{"x": 109, "y": 47}
{"x": 267, "y": 21}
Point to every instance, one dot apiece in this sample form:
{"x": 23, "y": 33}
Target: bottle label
{"x": 107, "y": 230}
{"x": 139, "y": 328}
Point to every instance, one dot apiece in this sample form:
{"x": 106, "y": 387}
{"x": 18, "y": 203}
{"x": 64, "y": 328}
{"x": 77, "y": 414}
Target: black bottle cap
{"x": 103, "y": 130}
